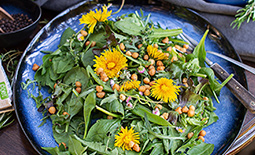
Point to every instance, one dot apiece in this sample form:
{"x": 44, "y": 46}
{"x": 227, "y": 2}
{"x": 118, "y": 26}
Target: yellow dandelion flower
{"x": 112, "y": 61}
{"x": 92, "y": 18}
{"x": 124, "y": 138}
{"x": 165, "y": 90}
{"x": 131, "y": 84}
{"x": 154, "y": 53}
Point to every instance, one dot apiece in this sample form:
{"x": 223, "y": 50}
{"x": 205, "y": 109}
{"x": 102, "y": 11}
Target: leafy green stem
{"x": 107, "y": 112}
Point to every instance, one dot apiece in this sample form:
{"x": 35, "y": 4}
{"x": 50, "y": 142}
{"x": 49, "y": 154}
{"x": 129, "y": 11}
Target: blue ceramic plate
{"x": 230, "y": 111}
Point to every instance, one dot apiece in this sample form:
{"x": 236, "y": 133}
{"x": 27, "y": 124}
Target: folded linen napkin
{"x": 221, "y": 16}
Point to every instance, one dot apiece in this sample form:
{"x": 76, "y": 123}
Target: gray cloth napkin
{"x": 221, "y": 16}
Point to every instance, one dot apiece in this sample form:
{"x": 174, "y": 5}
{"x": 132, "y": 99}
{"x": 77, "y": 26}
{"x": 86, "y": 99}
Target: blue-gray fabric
{"x": 221, "y": 16}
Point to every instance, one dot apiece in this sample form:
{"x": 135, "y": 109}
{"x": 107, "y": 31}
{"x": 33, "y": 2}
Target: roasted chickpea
{"x": 122, "y": 46}
{"x": 185, "y": 80}
{"x": 205, "y": 98}
{"x": 66, "y": 113}
{"x": 160, "y": 51}
{"x": 167, "y": 55}
{"x": 100, "y": 70}
{"x": 185, "y": 84}
{"x": 134, "y": 77}
{"x": 93, "y": 43}
{"x": 179, "y": 110}
{"x": 35, "y": 67}
{"x": 152, "y": 83}
{"x": 84, "y": 33}
{"x": 202, "y": 138}
{"x": 78, "y": 89}
{"x": 52, "y": 110}
{"x": 186, "y": 46}
{"x": 147, "y": 92}
{"x": 152, "y": 61}
{"x": 152, "y": 72}
{"x": 146, "y": 80}
{"x": 55, "y": 85}
{"x": 191, "y": 107}
{"x": 190, "y": 135}
{"x": 146, "y": 57}
{"x": 174, "y": 58}
{"x": 87, "y": 43}
{"x": 142, "y": 89}
{"x": 160, "y": 63}
{"x": 177, "y": 47}
{"x": 161, "y": 68}
{"x": 191, "y": 113}
{"x": 155, "y": 45}
{"x": 64, "y": 144}
{"x": 147, "y": 87}
{"x": 131, "y": 144}
{"x": 205, "y": 121}
{"x": 101, "y": 94}
{"x": 159, "y": 106}
{"x": 99, "y": 88}
{"x": 139, "y": 46}
{"x": 78, "y": 84}
{"x": 136, "y": 148}
{"x": 185, "y": 109}
{"x": 169, "y": 49}
{"x": 202, "y": 133}
{"x": 151, "y": 67}
{"x": 128, "y": 53}
{"x": 109, "y": 117}
{"x": 184, "y": 50}
{"x": 116, "y": 86}
{"x": 165, "y": 40}
{"x": 165, "y": 115}
{"x": 135, "y": 55}
{"x": 122, "y": 97}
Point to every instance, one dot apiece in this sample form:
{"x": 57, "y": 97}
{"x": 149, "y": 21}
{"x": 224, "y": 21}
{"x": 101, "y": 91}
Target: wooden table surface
{"x": 14, "y": 142}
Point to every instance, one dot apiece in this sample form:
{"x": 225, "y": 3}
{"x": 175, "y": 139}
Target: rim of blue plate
{"x": 223, "y": 150}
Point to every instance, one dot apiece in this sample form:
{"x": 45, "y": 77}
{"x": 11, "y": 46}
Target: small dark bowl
{"x": 26, "y": 7}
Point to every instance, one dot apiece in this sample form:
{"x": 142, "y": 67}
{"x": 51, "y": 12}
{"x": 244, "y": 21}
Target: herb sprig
{"x": 246, "y": 13}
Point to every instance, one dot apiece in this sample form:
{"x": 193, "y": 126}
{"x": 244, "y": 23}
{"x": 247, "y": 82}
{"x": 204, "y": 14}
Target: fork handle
{"x": 242, "y": 94}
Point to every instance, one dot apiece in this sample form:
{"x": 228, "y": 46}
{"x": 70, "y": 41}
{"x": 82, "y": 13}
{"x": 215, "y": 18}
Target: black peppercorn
{"x": 20, "y": 21}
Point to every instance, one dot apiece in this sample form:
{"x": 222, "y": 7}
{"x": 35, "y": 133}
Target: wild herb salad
{"x": 126, "y": 87}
